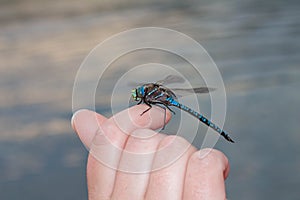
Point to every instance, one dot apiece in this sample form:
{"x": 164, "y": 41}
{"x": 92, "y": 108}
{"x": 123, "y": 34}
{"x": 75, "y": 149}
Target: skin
{"x": 196, "y": 174}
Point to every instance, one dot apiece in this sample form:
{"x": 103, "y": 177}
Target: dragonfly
{"x": 158, "y": 94}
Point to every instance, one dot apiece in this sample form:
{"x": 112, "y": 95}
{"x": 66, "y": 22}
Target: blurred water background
{"x": 255, "y": 44}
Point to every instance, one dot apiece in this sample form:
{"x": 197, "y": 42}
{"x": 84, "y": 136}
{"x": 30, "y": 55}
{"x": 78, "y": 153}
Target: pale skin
{"x": 192, "y": 176}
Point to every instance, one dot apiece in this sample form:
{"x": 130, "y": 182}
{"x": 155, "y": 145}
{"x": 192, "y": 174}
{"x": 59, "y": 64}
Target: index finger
{"x": 87, "y": 123}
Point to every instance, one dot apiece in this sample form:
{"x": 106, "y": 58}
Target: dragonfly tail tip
{"x": 230, "y": 140}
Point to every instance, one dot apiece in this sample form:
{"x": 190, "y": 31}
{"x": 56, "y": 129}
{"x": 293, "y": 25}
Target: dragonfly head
{"x": 138, "y": 93}
{"x": 134, "y": 94}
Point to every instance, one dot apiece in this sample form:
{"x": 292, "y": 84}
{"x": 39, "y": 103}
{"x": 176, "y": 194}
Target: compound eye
{"x": 134, "y": 94}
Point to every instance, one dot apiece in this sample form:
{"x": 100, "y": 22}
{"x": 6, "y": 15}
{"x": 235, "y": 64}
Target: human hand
{"x": 193, "y": 175}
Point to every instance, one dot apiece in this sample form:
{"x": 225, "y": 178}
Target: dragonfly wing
{"x": 167, "y": 80}
{"x": 171, "y": 79}
{"x": 184, "y": 92}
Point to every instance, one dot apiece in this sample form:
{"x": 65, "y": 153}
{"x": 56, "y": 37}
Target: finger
{"x": 86, "y": 123}
{"x": 109, "y": 142}
{"x": 135, "y": 164}
{"x": 170, "y": 162}
{"x": 206, "y": 172}
{"x": 133, "y": 118}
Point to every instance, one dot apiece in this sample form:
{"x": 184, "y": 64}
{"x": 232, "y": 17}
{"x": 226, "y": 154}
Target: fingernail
{"x": 203, "y": 153}
{"x": 74, "y": 117}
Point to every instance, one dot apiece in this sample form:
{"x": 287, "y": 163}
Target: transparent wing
{"x": 171, "y": 79}
{"x": 167, "y": 80}
{"x": 184, "y": 92}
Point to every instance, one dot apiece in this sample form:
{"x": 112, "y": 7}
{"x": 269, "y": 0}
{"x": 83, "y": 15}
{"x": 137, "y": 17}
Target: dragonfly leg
{"x": 140, "y": 102}
{"x": 165, "y": 117}
{"x": 150, "y": 106}
{"x": 161, "y": 105}
{"x": 170, "y": 109}
{"x": 164, "y": 104}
